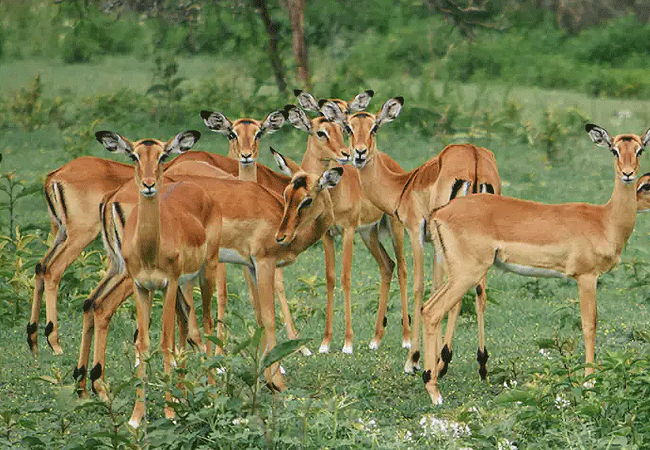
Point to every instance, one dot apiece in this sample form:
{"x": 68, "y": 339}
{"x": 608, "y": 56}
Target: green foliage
{"x": 28, "y": 109}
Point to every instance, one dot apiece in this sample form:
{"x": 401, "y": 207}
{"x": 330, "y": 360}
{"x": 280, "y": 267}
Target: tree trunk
{"x": 297, "y": 16}
{"x": 274, "y": 57}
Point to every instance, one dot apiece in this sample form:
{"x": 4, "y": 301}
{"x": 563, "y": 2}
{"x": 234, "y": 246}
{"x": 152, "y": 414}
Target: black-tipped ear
{"x": 113, "y": 142}
{"x": 205, "y": 115}
{"x": 297, "y": 92}
{"x": 598, "y": 135}
{"x": 370, "y": 93}
{"x": 338, "y": 170}
{"x": 321, "y": 102}
{"x": 400, "y": 99}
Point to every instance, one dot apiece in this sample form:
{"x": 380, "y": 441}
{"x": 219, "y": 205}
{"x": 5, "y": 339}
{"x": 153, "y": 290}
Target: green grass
{"x": 333, "y": 399}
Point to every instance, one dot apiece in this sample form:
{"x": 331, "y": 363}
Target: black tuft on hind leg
{"x": 31, "y": 330}
{"x": 446, "y": 354}
{"x": 79, "y": 374}
{"x": 48, "y": 330}
{"x": 95, "y": 374}
{"x": 482, "y": 358}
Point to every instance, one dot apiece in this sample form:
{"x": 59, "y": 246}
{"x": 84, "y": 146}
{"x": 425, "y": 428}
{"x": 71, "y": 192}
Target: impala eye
{"x": 164, "y": 157}
{"x": 134, "y": 157}
{"x": 321, "y": 134}
{"x": 639, "y": 152}
{"x": 305, "y": 203}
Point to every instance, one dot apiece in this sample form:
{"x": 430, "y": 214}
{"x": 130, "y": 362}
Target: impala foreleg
{"x": 142, "y": 347}
{"x": 346, "y": 285}
{"x": 265, "y": 279}
{"x": 167, "y": 337}
{"x": 101, "y": 311}
{"x": 589, "y": 317}
{"x": 330, "y": 281}
{"x": 397, "y": 236}
{"x": 222, "y": 301}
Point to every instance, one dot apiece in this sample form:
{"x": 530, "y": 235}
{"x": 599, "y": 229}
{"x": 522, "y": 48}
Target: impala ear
{"x": 298, "y": 118}
{"x": 389, "y": 112}
{"x": 114, "y": 142}
{"x": 332, "y": 112}
{"x": 281, "y": 161}
{"x": 217, "y": 122}
{"x": 598, "y": 135}
{"x": 330, "y": 178}
{"x": 272, "y": 123}
{"x": 182, "y": 142}
{"x": 361, "y": 101}
{"x": 306, "y": 100}
{"x": 646, "y": 138}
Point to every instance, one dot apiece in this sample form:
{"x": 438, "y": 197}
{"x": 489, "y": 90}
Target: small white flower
{"x": 561, "y": 402}
{"x": 505, "y": 444}
{"x": 240, "y": 421}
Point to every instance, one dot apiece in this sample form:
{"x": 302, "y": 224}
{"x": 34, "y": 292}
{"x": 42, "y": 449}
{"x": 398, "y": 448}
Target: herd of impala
{"x": 166, "y": 225}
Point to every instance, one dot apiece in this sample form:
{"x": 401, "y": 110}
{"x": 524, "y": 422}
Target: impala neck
{"x": 248, "y": 172}
{"x": 621, "y": 211}
{"x": 381, "y": 185}
{"x": 313, "y": 161}
{"x": 147, "y": 232}
{"x": 314, "y": 232}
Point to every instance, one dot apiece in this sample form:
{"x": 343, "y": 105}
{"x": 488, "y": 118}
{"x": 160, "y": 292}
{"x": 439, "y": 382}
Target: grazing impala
{"x": 410, "y": 197}
{"x": 77, "y": 188}
{"x": 576, "y": 240}
{"x": 352, "y": 212}
{"x": 171, "y": 239}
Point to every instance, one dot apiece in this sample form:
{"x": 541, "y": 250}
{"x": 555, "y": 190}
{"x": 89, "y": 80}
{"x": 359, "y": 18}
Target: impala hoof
{"x": 374, "y": 345}
{"x": 347, "y": 349}
{"x": 324, "y": 348}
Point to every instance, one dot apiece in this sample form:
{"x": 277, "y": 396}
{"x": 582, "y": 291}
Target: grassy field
{"x": 531, "y": 399}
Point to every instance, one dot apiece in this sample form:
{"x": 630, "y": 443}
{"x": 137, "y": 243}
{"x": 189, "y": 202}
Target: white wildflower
{"x": 435, "y": 427}
{"x": 240, "y": 421}
{"x": 505, "y": 444}
{"x": 561, "y": 402}
{"x": 545, "y": 353}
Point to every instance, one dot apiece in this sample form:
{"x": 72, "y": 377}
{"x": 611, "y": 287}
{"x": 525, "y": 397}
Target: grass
{"x": 335, "y": 400}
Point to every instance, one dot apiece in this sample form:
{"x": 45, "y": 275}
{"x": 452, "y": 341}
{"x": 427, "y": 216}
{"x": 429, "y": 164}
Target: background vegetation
{"x": 517, "y": 80}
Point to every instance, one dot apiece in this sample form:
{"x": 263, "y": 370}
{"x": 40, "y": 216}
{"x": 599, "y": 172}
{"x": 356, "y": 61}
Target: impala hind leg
{"x": 284, "y": 307}
{"x": 589, "y": 317}
{"x": 413, "y": 359}
{"x": 481, "y": 302}
{"x": 386, "y": 265}
{"x": 51, "y": 272}
{"x": 265, "y": 277}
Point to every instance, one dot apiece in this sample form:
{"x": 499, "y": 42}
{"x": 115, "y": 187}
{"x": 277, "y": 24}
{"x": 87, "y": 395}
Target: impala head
{"x": 244, "y": 134}
{"x": 148, "y": 155}
{"x": 364, "y": 130}
{"x": 627, "y": 148}
{"x": 305, "y": 199}
{"x": 643, "y": 193}
{"x": 325, "y": 132}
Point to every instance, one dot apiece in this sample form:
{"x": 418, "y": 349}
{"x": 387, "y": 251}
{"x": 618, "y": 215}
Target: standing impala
{"x": 171, "y": 238}
{"x": 576, "y": 240}
{"x": 352, "y": 212}
{"x": 243, "y": 136}
{"x": 410, "y": 197}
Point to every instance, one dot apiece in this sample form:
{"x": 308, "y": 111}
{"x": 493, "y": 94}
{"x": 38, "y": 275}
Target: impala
{"x": 171, "y": 239}
{"x": 243, "y": 135}
{"x": 575, "y": 240}
{"x": 352, "y": 212}
{"x": 643, "y": 193}
{"x": 410, "y": 197}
